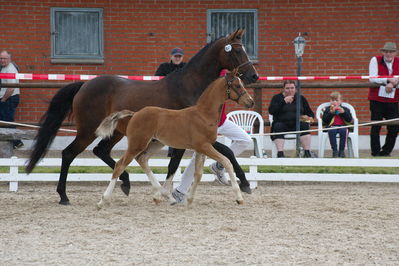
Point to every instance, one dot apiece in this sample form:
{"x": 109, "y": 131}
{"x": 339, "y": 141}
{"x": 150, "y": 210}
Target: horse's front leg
{"x": 199, "y": 169}
{"x": 211, "y": 152}
{"x": 103, "y": 151}
{"x": 174, "y": 163}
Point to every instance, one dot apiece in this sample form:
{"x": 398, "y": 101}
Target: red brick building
{"x": 137, "y": 36}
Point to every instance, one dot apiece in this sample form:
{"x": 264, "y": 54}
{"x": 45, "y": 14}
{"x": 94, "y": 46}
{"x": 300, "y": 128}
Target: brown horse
{"x": 93, "y": 100}
{"x": 190, "y": 128}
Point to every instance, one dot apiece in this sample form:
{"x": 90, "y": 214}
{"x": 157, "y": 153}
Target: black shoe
{"x": 280, "y": 154}
{"x": 341, "y": 154}
{"x": 19, "y": 145}
{"x": 307, "y": 154}
{"x": 335, "y": 154}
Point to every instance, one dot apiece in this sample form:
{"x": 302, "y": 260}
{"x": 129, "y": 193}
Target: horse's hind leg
{"x": 142, "y": 159}
{"x": 199, "y": 169}
{"x": 103, "y": 151}
{"x": 120, "y": 166}
{"x": 174, "y": 163}
{"x": 68, "y": 155}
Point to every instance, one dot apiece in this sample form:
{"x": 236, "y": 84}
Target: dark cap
{"x": 177, "y": 51}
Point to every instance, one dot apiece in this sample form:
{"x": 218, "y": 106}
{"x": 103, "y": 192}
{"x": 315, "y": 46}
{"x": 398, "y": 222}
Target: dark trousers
{"x": 286, "y": 127}
{"x": 379, "y": 111}
{"x": 332, "y": 135}
{"x": 7, "y": 112}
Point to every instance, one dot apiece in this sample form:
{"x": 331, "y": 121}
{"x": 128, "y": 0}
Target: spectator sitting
{"x": 283, "y": 109}
{"x": 337, "y": 116}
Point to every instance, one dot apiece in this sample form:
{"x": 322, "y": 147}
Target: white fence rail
{"x": 253, "y": 176}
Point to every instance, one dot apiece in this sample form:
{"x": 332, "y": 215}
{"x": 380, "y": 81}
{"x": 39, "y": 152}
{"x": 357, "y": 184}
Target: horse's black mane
{"x": 201, "y": 52}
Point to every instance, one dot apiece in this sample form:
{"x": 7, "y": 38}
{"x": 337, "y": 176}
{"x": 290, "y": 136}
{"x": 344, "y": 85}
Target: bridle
{"x": 228, "y": 48}
{"x": 231, "y": 87}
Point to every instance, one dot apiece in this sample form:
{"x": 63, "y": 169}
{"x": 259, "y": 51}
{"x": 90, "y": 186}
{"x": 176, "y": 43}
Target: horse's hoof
{"x": 189, "y": 201}
{"x": 125, "y": 189}
{"x": 240, "y": 202}
{"x": 64, "y": 202}
{"x": 156, "y": 201}
{"x": 246, "y": 189}
{"x": 99, "y": 205}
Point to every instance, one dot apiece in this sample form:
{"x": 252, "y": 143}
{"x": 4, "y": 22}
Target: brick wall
{"x": 343, "y": 35}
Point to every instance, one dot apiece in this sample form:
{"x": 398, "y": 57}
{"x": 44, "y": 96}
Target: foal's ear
{"x": 237, "y": 35}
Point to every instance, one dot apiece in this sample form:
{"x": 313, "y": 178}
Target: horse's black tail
{"x": 60, "y": 106}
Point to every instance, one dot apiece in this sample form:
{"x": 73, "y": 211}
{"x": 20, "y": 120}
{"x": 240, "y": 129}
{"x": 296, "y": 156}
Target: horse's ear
{"x": 237, "y": 34}
{"x": 235, "y": 71}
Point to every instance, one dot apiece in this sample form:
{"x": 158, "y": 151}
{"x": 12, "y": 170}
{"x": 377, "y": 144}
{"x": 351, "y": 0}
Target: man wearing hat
{"x": 176, "y": 62}
{"x": 384, "y": 99}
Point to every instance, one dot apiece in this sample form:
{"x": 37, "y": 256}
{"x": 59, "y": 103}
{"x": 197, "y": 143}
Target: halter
{"x": 228, "y": 48}
{"x": 231, "y": 87}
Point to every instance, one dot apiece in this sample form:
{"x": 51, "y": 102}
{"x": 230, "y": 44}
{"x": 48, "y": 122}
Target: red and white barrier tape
{"x": 324, "y": 77}
{"x": 30, "y": 76}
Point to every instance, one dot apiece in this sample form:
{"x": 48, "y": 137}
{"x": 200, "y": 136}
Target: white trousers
{"x": 240, "y": 140}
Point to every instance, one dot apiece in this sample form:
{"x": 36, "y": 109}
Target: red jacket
{"x": 223, "y": 115}
{"x": 383, "y": 71}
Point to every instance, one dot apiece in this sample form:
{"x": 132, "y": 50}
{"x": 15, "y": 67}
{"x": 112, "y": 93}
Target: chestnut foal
{"x": 193, "y": 128}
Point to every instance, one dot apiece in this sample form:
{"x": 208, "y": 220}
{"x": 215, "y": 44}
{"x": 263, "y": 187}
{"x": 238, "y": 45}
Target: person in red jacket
{"x": 384, "y": 100}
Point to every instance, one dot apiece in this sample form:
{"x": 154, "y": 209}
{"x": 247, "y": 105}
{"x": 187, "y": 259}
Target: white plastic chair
{"x": 246, "y": 120}
{"x": 353, "y": 137}
{"x": 286, "y": 137}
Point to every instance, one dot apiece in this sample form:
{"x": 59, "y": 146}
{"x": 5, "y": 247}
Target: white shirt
{"x": 373, "y": 71}
{"x": 9, "y": 69}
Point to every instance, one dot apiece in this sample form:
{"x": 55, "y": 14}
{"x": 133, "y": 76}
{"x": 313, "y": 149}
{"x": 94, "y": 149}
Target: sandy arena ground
{"x": 280, "y": 223}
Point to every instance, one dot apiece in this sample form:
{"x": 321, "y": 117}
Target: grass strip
{"x": 261, "y": 169}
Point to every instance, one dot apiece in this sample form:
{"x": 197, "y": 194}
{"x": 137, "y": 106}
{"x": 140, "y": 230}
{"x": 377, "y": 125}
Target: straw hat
{"x": 389, "y": 47}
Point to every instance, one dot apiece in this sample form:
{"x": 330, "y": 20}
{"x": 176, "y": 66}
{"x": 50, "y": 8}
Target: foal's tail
{"x": 108, "y": 125}
{"x": 60, "y": 106}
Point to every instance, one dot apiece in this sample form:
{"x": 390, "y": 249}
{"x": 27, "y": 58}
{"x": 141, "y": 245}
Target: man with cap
{"x": 384, "y": 99}
{"x": 176, "y": 62}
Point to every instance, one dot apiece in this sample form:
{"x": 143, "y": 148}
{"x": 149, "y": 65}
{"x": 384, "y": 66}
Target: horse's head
{"x": 236, "y": 91}
{"x": 233, "y": 55}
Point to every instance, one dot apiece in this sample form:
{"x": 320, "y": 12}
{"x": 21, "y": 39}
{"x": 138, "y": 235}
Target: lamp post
{"x": 299, "y": 44}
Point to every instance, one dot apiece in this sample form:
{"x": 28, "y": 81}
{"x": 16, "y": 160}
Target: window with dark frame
{"x": 77, "y": 35}
{"x": 221, "y": 22}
